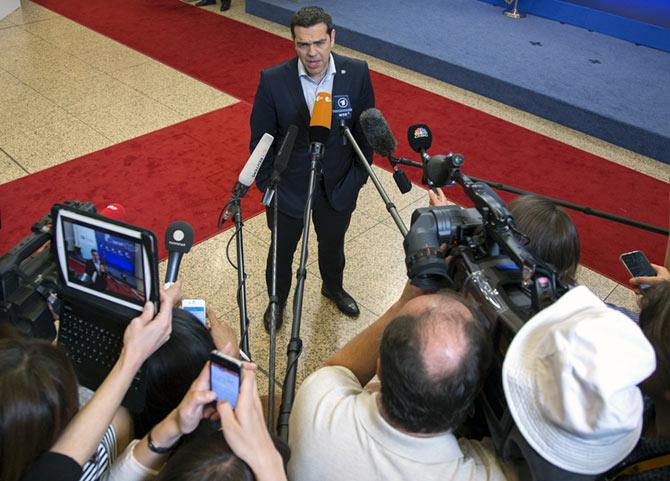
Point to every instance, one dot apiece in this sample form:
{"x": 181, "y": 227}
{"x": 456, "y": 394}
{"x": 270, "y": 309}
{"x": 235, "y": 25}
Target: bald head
{"x": 432, "y": 357}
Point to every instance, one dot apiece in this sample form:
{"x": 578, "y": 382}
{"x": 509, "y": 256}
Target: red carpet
{"x": 229, "y": 55}
{"x": 182, "y": 172}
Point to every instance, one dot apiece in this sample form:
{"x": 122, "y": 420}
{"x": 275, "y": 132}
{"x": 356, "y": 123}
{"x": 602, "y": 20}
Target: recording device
{"x": 108, "y": 271}
{"x": 247, "y": 175}
{"x": 319, "y": 125}
{"x": 105, "y": 259}
{"x": 197, "y": 307}
{"x": 281, "y": 161}
{"x": 178, "y": 241}
{"x": 379, "y": 136}
{"x": 29, "y": 282}
{"x": 488, "y": 264}
{"x": 224, "y": 377}
{"x": 638, "y": 265}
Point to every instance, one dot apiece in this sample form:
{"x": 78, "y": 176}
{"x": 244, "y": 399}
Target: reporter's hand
{"x": 662, "y": 275}
{"x": 245, "y": 431}
{"x": 436, "y": 197}
{"x": 146, "y": 333}
{"x": 173, "y": 293}
{"x": 196, "y": 404}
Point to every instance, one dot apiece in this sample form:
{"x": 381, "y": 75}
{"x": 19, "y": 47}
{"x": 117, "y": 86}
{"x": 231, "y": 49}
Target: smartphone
{"x": 197, "y": 307}
{"x": 638, "y": 265}
{"x": 224, "y": 377}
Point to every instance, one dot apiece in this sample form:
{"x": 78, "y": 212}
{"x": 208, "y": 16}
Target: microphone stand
{"x": 273, "y": 193}
{"x": 235, "y": 207}
{"x": 317, "y": 151}
{"x": 380, "y": 188}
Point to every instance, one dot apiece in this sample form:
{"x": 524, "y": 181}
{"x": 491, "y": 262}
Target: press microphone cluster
{"x": 247, "y": 175}
{"x": 178, "y": 241}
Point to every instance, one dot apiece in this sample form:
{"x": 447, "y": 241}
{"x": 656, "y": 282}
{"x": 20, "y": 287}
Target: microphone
{"x": 248, "y": 174}
{"x": 420, "y": 139}
{"x": 380, "y": 137}
{"x": 319, "y": 125}
{"x": 178, "y": 241}
{"x": 281, "y": 161}
{"x": 114, "y": 211}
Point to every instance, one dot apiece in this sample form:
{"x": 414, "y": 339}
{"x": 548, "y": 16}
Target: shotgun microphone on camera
{"x": 382, "y": 141}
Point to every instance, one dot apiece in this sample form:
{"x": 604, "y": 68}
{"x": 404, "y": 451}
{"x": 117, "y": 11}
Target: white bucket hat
{"x": 570, "y": 379}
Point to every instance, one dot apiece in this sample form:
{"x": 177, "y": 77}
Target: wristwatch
{"x": 155, "y": 449}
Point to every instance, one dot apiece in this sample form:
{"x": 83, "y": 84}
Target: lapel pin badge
{"x": 343, "y": 72}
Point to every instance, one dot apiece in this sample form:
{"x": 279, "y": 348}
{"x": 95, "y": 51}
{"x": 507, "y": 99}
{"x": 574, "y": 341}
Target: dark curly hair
{"x": 310, "y": 16}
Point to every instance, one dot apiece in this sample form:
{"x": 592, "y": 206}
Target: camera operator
{"x": 429, "y": 351}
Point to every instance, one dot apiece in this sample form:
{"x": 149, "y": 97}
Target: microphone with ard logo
{"x": 178, "y": 241}
{"x": 342, "y": 112}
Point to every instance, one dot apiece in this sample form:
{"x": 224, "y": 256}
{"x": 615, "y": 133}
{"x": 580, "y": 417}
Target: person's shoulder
{"x": 281, "y": 68}
{"x": 332, "y": 383}
{"x": 483, "y": 455}
{"x": 53, "y": 466}
{"x": 332, "y": 376}
{"x": 342, "y": 61}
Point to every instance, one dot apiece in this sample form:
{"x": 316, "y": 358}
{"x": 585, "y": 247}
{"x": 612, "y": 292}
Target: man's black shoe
{"x": 204, "y": 3}
{"x": 225, "y": 5}
{"x": 344, "y": 302}
{"x": 266, "y": 318}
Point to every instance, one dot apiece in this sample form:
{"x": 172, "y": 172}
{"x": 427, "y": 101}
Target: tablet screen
{"x": 102, "y": 259}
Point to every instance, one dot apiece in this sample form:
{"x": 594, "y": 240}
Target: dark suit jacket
{"x": 280, "y": 102}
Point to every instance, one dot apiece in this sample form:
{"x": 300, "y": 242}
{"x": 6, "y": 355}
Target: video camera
{"x": 28, "y": 280}
{"x": 488, "y": 264}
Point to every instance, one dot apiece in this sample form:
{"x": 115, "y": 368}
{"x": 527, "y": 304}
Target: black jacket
{"x": 280, "y": 102}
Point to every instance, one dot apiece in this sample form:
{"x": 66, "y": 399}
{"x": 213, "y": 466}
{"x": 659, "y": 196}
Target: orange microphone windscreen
{"x": 322, "y": 113}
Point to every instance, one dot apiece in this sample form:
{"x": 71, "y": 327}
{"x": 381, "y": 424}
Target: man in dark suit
{"x": 285, "y": 97}
{"x": 96, "y": 271}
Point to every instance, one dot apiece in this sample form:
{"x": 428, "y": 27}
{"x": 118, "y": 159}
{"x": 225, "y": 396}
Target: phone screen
{"x": 638, "y": 265}
{"x": 225, "y": 378}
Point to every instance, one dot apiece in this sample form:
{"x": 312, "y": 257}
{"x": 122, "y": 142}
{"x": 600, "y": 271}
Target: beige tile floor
{"x": 67, "y": 91}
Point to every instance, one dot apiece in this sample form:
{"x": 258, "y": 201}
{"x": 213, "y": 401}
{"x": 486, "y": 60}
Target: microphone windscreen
{"x": 256, "y": 158}
{"x": 322, "y": 115}
{"x": 286, "y": 149}
{"x": 419, "y": 137}
{"x": 377, "y": 132}
{"x": 179, "y": 237}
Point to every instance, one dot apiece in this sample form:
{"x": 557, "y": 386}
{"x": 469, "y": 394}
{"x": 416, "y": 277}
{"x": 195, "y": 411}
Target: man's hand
{"x": 146, "y": 333}
{"x": 436, "y": 197}
{"x": 245, "y": 431}
{"x": 662, "y": 275}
